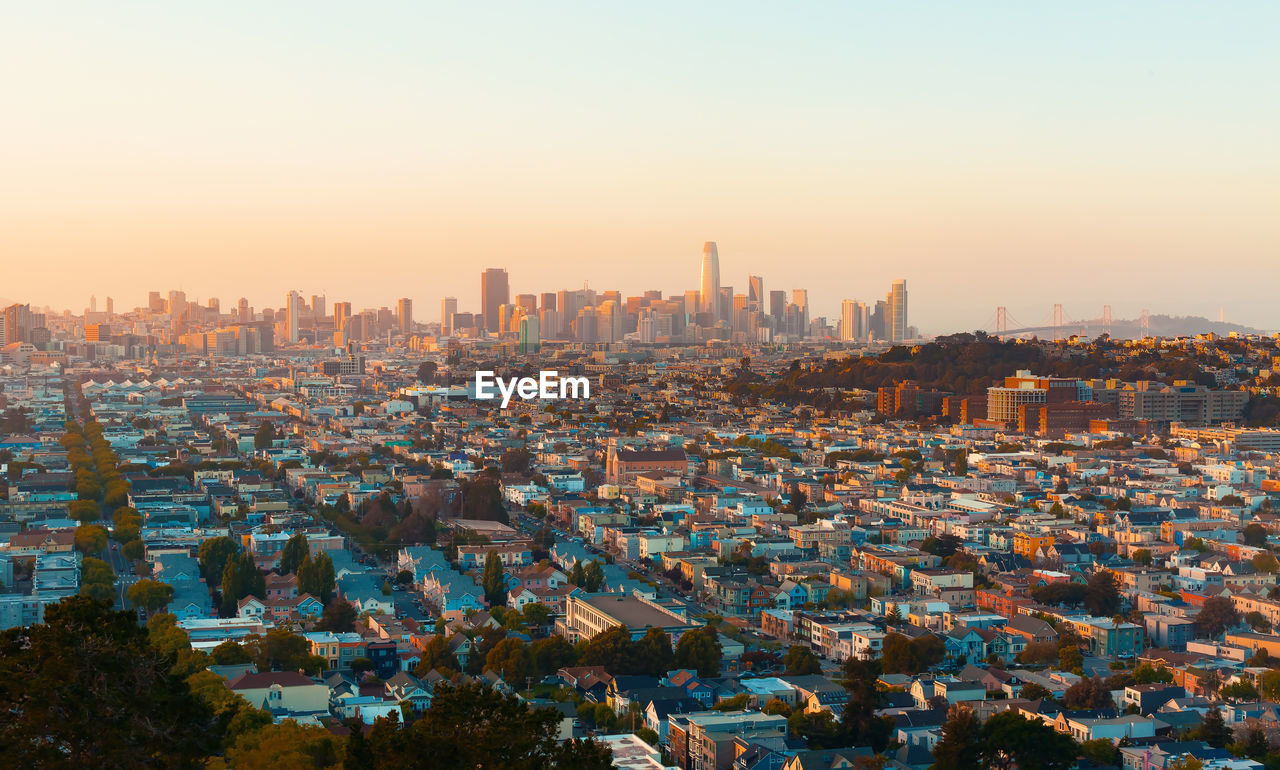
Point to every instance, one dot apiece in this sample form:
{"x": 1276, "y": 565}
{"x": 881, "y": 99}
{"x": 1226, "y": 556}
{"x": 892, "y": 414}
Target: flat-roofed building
{"x": 592, "y": 614}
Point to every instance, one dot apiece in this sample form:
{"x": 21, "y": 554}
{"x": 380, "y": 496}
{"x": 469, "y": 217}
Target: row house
{"x": 513, "y": 554}
{"x": 338, "y": 649}
{"x": 737, "y": 596}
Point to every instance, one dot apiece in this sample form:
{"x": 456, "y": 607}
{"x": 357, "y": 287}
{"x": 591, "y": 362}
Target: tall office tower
{"x": 404, "y": 312}
{"x": 17, "y": 324}
{"x": 853, "y": 321}
{"x": 710, "y": 279}
{"x": 111, "y": 306}
{"x": 609, "y": 321}
{"x": 800, "y": 298}
{"x": 155, "y": 303}
{"x": 341, "y": 314}
{"x": 549, "y": 301}
{"x": 570, "y": 303}
{"x": 896, "y": 321}
{"x": 177, "y": 303}
{"x": 494, "y": 292}
{"x": 246, "y": 312}
{"x": 611, "y": 296}
{"x": 777, "y": 306}
{"x": 292, "y": 308}
{"x": 215, "y": 305}
{"x": 584, "y": 326}
{"x": 755, "y": 293}
{"x": 93, "y": 303}
{"x": 529, "y": 302}
{"x": 725, "y": 305}
{"x": 653, "y": 295}
{"x": 549, "y": 319}
{"x": 448, "y": 306}
{"x": 692, "y": 304}
{"x": 318, "y": 305}
{"x": 739, "y": 313}
{"x": 530, "y": 335}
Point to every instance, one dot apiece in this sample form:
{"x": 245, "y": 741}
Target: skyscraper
{"x": 448, "y": 306}
{"x": 494, "y": 293}
{"x": 404, "y": 309}
{"x": 755, "y": 293}
{"x": 710, "y": 280}
{"x": 853, "y": 321}
{"x": 896, "y": 320}
{"x": 777, "y": 306}
{"x": 317, "y": 305}
{"x": 292, "y": 308}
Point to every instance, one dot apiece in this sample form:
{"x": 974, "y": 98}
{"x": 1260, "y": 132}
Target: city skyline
{"x": 1125, "y": 149}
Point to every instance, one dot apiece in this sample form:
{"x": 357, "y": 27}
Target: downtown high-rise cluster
{"x": 713, "y": 311}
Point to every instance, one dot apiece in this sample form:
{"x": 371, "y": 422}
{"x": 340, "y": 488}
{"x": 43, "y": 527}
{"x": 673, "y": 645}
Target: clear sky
{"x": 1015, "y": 153}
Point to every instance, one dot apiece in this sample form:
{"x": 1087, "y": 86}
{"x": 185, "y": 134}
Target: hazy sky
{"x": 990, "y": 153}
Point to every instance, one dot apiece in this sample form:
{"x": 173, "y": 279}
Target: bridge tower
{"x": 1002, "y": 321}
{"x": 1145, "y": 323}
{"x": 1106, "y": 319}
{"x": 1057, "y": 322}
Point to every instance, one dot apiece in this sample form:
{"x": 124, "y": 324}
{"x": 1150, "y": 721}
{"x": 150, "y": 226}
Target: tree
{"x": 776, "y": 707}
{"x": 91, "y": 538}
{"x": 536, "y": 614}
{"x": 1102, "y": 595}
{"x": 551, "y": 654}
{"x": 1216, "y": 615}
{"x": 436, "y": 654}
{"x": 1010, "y": 739}
{"x": 859, "y": 723}
{"x": 1100, "y": 752}
{"x": 286, "y": 744}
{"x": 1034, "y": 691}
{"x": 228, "y": 653}
{"x": 282, "y": 650}
{"x": 265, "y": 436}
{"x": 1252, "y": 744}
{"x": 1089, "y": 693}
{"x": 800, "y": 660}
{"x": 612, "y": 649}
{"x": 1254, "y": 535}
{"x": 961, "y": 746}
{"x": 1148, "y": 674}
{"x": 1239, "y": 690}
{"x": 700, "y": 650}
{"x": 1039, "y": 653}
{"x": 84, "y": 510}
{"x": 213, "y": 556}
{"x": 495, "y": 580}
{"x": 1142, "y": 556}
{"x": 315, "y": 577}
{"x": 477, "y": 726}
{"x": 894, "y": 618}
{"x": 295, "y": 550}
{"x": 427, "y": 371}
{"x": 338, "y": 616}
{"x": 593, "y": 576}
{"x": 1266, "y": 563}
{"x": 96, "y": 579}
{"x": 654, "y": 650}
{"x": 149, "y": 595}
{"x": 71, "y": 694}
{"x": 510, "y": 658}
{"x": 1213, "y": 729}
{"x": 516, "y": 461}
